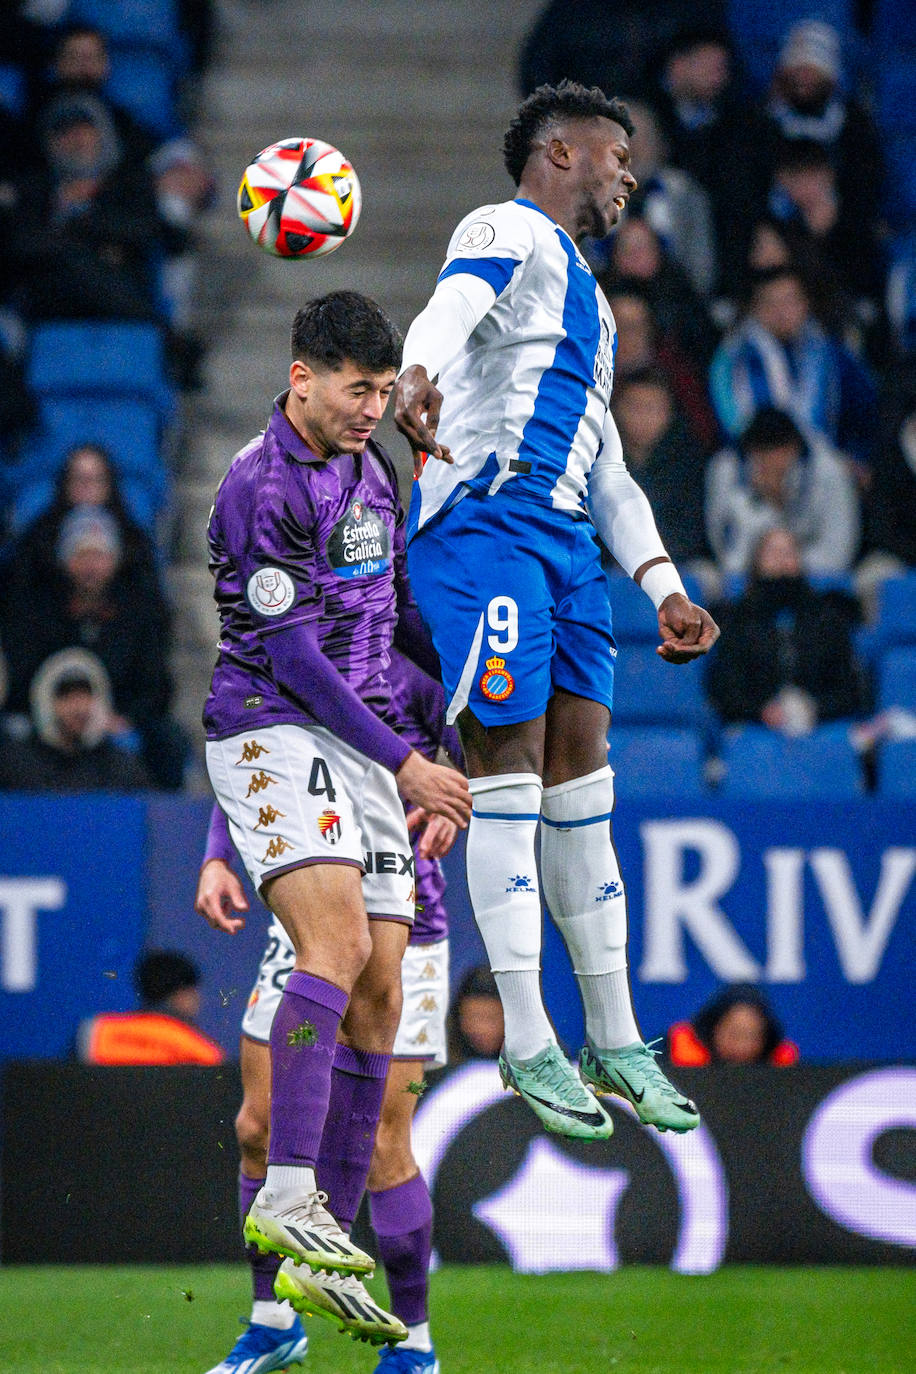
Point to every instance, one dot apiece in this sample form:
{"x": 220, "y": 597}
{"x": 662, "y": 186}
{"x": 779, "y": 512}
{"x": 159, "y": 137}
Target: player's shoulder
{"x": 493, "y": 227}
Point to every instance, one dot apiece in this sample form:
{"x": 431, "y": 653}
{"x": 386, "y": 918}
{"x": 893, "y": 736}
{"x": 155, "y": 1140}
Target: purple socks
{"x": 263, "y": 1267}
{"x": 302, "y": 1043}
{"x": 357, "y": 1089}
{"x": 402, "y": 1219}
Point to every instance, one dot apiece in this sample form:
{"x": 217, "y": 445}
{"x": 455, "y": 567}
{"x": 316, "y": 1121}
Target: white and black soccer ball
{"x": 299, "y": 198}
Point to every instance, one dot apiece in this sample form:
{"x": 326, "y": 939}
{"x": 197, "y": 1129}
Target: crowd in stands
{"x": 101, "y": 194}
{"x": 763, "y": 281}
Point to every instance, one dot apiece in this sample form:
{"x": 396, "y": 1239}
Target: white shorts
{"x": 424, "y": 979}
{"x": 296, "y": 795}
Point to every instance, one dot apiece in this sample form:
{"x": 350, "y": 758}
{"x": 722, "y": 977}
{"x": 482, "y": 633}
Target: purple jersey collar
{"x": 287, "y": 436}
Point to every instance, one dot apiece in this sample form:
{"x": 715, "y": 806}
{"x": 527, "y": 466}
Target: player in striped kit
{"x": 505, "y": 567}
{"x": 307, "y": 551}
{"x": 399, "y": 1204}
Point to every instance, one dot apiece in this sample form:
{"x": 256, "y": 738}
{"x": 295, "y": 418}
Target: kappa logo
{"x": 276, "y": 848}
{"x": 476, "y": 237}
{"x": 270, "y": 591}
{"x": 428, "y": 971}
{"x": 497, "y": 683}
{"x": 428, "y": 1003}
{"x": 607, "y": 891}
{"x": 251, "y": 752}
{"x": 259, "y": 781}
{"x": 329, "y": 825}
{"x": 267, "y": 815}
{"x": 520, "y": 883}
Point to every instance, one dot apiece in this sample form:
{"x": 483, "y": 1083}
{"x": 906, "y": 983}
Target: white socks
{"x": 290, "y": 1178}
{"x": 279, "y": 1315}
{"x": 584, "y": 891}
{"x": 503, "y": 886}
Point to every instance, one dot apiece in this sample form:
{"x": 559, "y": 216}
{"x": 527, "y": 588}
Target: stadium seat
{"x": 896, "y": 621}
{"x": 100, "y": 358}
{"x": 895, "y": 93}
{"x": 648, "y": 691}
{"x": 897, "y": 768}
{"x": 142, "y": 23}
{"x": 759, "y": 27}
{"x": 656, "y": 762}
{"x": 897, "y": 679}
{"x": 761, "y": 764}
{"x": 12, "y": 88}
{"x": 735, "y": 584}
{"x": 893, "y": 26}
{"x": 143, "y": 81}
{"x": 128, "y": 429}
{"x": 900, "y": 181}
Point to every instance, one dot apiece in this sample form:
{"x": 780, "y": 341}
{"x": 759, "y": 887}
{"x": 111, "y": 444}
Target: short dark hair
{"x": 771, "y": 428}
{"x": 346, "y": 325}
{"x": 160, "y": 972}
{"x": 645, "y": 376}
{"x": 550, "y": 105}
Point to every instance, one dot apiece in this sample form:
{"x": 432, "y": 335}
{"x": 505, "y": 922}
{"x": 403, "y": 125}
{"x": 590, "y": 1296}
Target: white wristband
{"x": 661, "y": 580}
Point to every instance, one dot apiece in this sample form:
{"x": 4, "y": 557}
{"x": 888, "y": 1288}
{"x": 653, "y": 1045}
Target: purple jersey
{"x": 300, "y": 541}
{"x": 417, "y": 712}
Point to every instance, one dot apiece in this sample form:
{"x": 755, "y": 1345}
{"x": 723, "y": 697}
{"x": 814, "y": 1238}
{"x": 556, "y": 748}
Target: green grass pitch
{"x": 182, "y": 1320}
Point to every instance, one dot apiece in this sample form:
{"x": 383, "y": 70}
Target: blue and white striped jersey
{"x": 526, "y": 398}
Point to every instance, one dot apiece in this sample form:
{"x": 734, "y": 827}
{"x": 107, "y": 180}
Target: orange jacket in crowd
{"x": 145, "y": 1037}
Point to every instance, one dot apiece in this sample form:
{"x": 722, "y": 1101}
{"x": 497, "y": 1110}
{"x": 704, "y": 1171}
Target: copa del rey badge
{"x": 496, "y": 683}
{"x": 270, "y": 591}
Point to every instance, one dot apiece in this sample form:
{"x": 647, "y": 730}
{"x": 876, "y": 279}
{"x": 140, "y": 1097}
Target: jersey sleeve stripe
{"x": 496, "y": 271}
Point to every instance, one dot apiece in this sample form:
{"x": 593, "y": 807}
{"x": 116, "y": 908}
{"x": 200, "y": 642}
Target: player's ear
{"x": 300, "y": 374}
{"x": 558, "y": 151}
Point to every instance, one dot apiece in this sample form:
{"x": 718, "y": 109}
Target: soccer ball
{"x": 299, "y": 198}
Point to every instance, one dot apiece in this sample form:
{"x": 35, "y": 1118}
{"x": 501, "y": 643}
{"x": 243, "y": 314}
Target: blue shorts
{"x": 517, "y": 603}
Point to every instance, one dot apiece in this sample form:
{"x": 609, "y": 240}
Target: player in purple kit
{"x": 399, "y": 1202}
{"x": 307, "y": 551}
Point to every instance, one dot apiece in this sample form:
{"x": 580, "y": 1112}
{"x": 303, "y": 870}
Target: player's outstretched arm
{"x": 443, "y": 791}
{"x": 219, "y": 894}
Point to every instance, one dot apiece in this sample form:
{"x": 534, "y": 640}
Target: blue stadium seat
{"x": 897, "y": 768}
{"x": 102, "y": 359}
{"x": 897, "y": 679}
{"x": 759, "y": 27}
{"x": 648, "y": 691}
{"x": 761, "y": 764}
{"x": 656, "y": 762}
{"x": 735, "y": 584}
{"x": 12, "y": 87}
{"x": 142, "y": 23}
{"x": 900, "y": 195}
{"x": 896, "y": 622}
{"x": 895, "y": 93}
{"x": 893, "y": 26}
{"x": 143, "y": 81}
{"x": 128, "y": 429}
